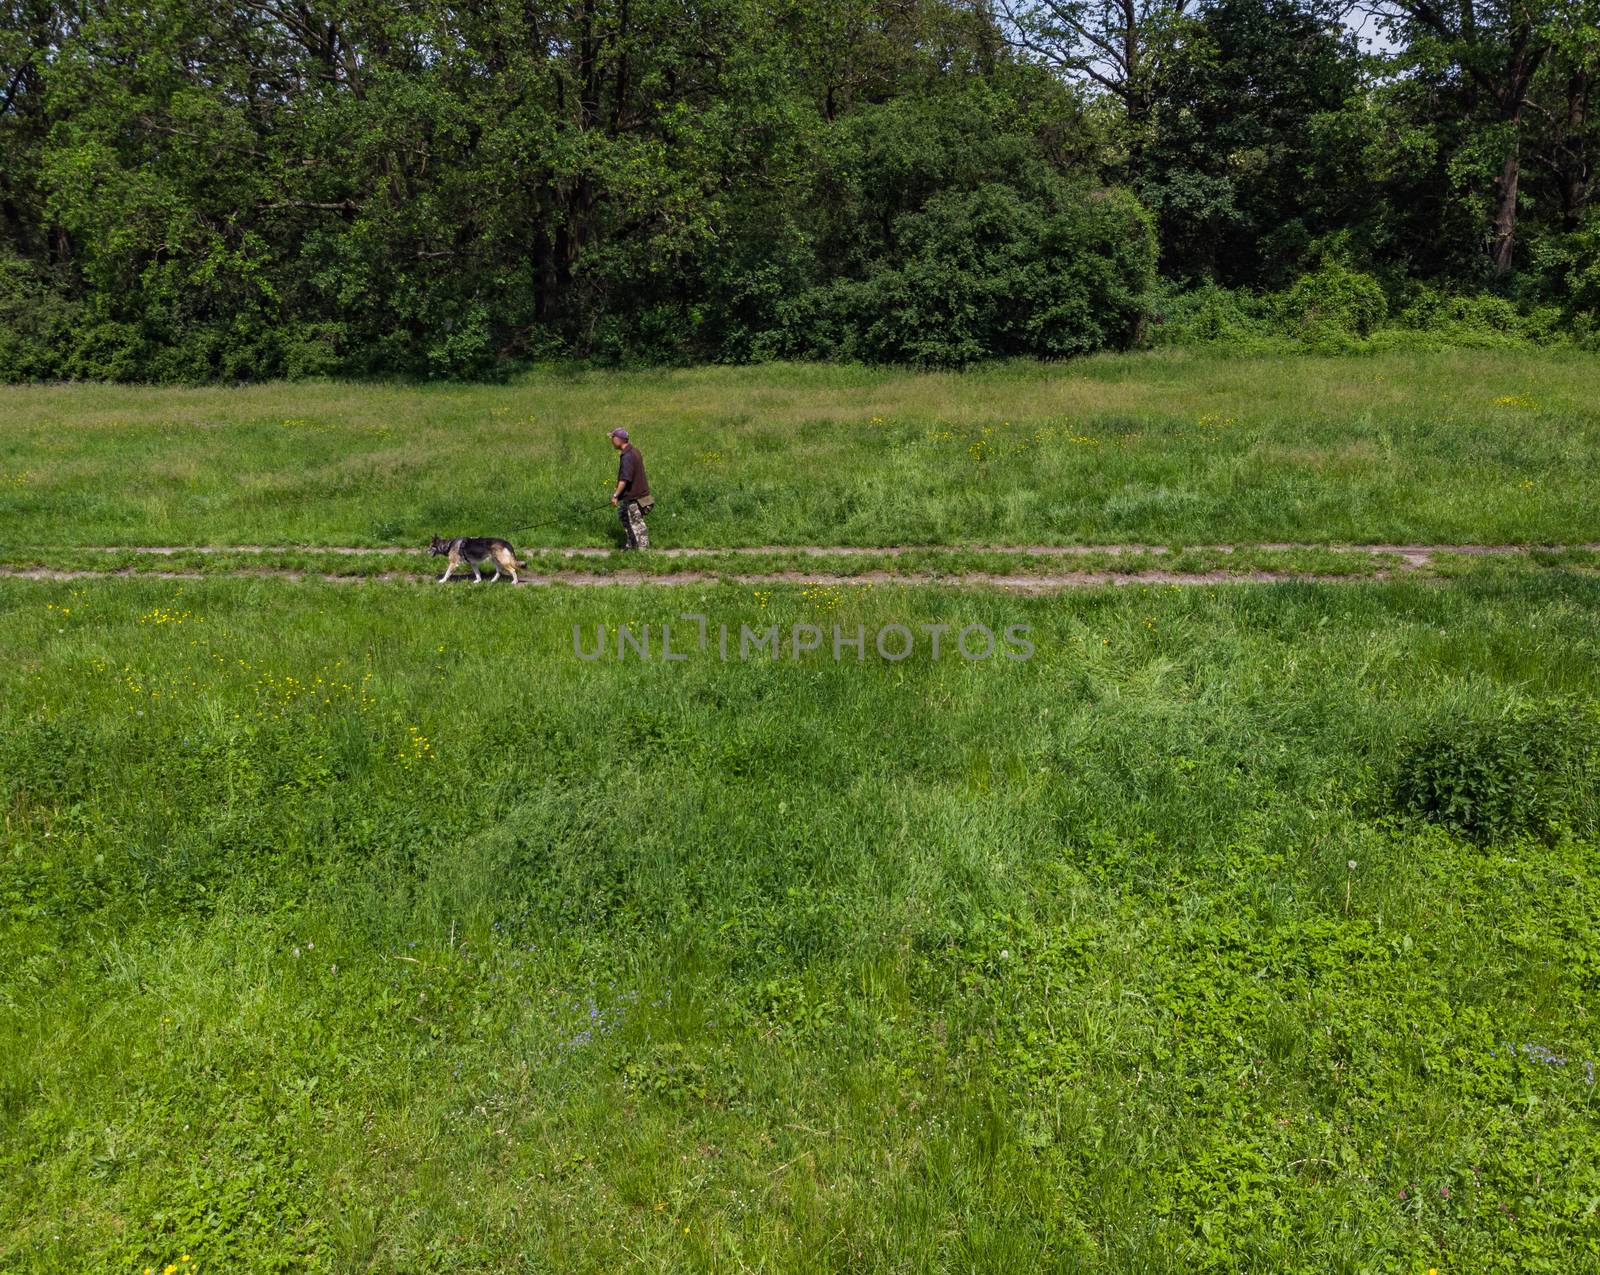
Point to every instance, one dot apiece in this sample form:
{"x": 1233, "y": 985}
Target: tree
{"x": 1563, "y": 123}
{"x": 1235, "y": 133}
{"x": 1489, "y": 53}
{"x": 1116, "y": 46}
{"x": 30, "y": 31}
{"x": 234, "y": 188}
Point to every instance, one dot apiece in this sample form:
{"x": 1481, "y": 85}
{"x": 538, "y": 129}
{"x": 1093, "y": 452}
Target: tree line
{"x": 233, "y": 189}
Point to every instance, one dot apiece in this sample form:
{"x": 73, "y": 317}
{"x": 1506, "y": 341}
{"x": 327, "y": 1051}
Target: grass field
{"x": 1179, "y": 448}
{"x": 367, "y": 927}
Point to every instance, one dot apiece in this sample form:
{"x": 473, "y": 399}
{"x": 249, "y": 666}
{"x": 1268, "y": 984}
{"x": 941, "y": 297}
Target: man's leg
{"x": 636, "y": 528}
{"x": 623, "y": 506}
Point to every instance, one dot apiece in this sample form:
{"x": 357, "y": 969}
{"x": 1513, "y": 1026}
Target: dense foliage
{"x": 261, "y": 188}
{"x": 1525, "y": 773}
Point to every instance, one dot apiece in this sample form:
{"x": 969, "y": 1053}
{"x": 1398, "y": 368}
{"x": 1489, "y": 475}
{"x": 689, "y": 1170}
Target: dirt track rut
{"x": 1415, "y": 554}
{"x": 1019, "y": 583}
{"x": 1400, "y": 560}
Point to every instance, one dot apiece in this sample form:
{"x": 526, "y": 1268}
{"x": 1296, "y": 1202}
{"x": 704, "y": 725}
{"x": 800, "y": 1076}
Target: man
{"x": 632, "y": 496}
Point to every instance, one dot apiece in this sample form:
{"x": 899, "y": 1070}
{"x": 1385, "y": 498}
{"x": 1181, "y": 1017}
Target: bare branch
{"x": 341, "y": 205}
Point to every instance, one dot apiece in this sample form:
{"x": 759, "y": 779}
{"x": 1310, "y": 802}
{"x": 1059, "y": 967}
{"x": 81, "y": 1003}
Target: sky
{"x": 1366, "y": 26}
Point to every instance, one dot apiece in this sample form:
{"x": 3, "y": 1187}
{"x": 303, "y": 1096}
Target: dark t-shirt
{"x": 630, "y": 473}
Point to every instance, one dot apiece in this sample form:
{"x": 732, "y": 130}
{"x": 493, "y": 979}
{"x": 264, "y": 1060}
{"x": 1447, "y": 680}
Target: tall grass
{"x": 372, "y": 930}
{"x": 1165, "y": 447}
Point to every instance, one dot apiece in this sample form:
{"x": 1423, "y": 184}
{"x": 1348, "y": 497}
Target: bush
{"x": 45, "y": 336}
{"x": 1529, "y": 772}
{"x": 1341, "y": 311}
{"x": 1578, "y": 277}
{"x": 1212, "y": 315}
{"x": 106, "y": 350}
{"x": 1332, "y": 304}
{"x": 464, "y": 345}
{"x": 1483, "y": 321}
{"x": 312, "y": 349}
{"x": 992, "y": 272}
{"x": 35, "y": 323}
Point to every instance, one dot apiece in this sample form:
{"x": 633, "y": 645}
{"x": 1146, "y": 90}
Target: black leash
{"x": 548, "y": 522}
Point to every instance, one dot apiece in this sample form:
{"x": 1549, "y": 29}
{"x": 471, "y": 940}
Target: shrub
{"x": 1583, "y": 277}
{"x": 313, "y": 349}
{"x": 1528, "y": 772}
{"x": 990, "y": 272}
{"x": 1457, "y": 321}
{"x": 1340, "y": 311}
{"x": 35, "y": 323}
{"x": 1332, "y": 304}
{"x": 463, "y": 345}
{"x": 1212, "y": 315}
{"x": 106, "y": 350}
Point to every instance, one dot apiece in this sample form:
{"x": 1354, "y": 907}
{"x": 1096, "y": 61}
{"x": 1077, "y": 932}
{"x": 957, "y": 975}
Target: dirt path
{"x": 1413, "y": 554}
{"x": 1019, "y": 583}
{"x": 1402, "y": 560}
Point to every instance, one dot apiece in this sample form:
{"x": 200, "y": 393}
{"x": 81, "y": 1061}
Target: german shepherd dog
{"x": 474, "y": 549}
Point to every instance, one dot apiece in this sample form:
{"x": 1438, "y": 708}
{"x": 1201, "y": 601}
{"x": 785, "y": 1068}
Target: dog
{"x": 474, "y": 549}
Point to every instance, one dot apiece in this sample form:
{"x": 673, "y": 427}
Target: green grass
{"x": 372, "y": 930}
{"x": 1465, "y": 447}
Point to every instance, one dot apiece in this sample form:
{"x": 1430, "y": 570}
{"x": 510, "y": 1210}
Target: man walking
{"x": 632, "y": 496}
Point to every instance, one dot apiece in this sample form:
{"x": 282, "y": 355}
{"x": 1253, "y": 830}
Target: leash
{"x": 549, "y": 522}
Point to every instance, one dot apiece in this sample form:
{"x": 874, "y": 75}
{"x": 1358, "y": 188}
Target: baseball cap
{"x": 620, "y": 433}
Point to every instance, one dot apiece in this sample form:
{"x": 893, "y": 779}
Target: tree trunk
{"x": 1577, "y": 177}
{"x": 1505, "y": 213}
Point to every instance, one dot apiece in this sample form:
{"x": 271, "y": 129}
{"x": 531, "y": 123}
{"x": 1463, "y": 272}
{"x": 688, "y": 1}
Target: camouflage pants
{"x": 633, "y": 527}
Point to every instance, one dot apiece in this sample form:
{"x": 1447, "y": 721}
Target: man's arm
{"x": 624, "y": 476}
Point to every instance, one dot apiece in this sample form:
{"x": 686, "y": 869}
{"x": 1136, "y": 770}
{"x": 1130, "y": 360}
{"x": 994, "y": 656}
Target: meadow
{"x": 366, "y": 927}
{"x": 373, "y": 930}
{"x": 1172, "y": 447}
